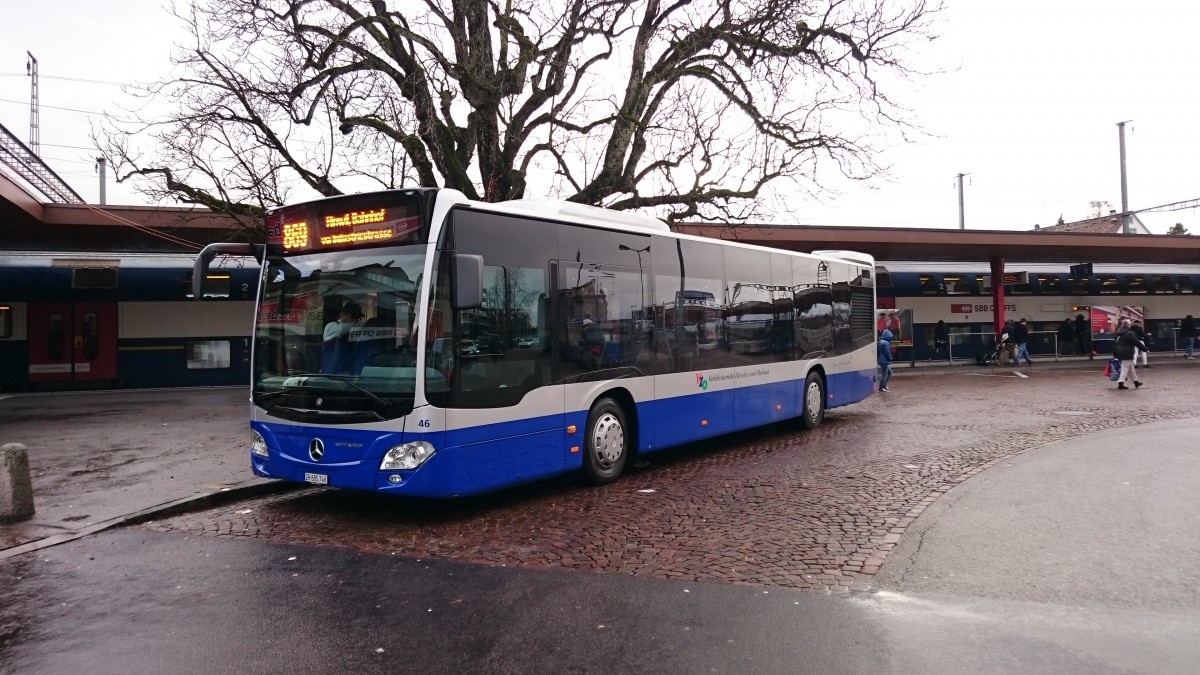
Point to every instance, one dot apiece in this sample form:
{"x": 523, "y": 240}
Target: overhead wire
{"x": 144, "y": 229}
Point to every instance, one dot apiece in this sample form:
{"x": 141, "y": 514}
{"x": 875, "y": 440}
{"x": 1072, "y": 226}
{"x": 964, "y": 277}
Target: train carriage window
{"x": 1162, "y": 284}
{"x": 1185, "y": 284}
{"x": 1108, "y": 284}
{"x": 1019, "y": 289}
{"x": 6, "y": 321}
{"x": 955, "y": 284}
{"x": 1135, "y": 283}
{"x": 216, "y": 285}
{"x": 883, "y": 278}
{"x": 929, "y": 285}
{"x": 1079, "y": 285}
{"x": 91, "y": 336}
{"x": 984, "y": 281}
{"x": 208, "y": 354}
{"x": 1051, "y": 284}
{"x": 94, "y": 277}
{"x": 56, "y": 337}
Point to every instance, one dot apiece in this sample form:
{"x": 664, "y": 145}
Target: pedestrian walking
{"x": 941, "y": 340}
{"x": 885, "y": 358}
{"x": 1187, "y": 331}
{"x": 1140, "y": 331}
{"x": 1021, "y": 339}
{"x": 1124, "y": 350}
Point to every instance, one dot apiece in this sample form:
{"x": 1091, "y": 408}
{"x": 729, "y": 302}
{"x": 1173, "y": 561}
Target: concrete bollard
{"x": 16, "y": 488}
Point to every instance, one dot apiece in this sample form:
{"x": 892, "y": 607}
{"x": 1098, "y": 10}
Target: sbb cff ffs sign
{"x": 967, "y": 308}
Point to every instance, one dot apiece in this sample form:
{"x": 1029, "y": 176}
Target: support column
{"x": 997, "y": 294}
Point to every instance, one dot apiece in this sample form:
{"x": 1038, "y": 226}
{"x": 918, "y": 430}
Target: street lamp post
{"x": 1124, "y": 185}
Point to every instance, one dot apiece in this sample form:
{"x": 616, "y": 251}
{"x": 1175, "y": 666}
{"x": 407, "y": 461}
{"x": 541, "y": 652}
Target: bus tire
{"x": 813, "y": 397}
{"x": 606, "y": 445}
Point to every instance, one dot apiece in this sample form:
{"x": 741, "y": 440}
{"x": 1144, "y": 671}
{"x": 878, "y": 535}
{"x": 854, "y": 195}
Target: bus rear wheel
{"x": 814, "y": 401}
{"x": 606, "y": 444}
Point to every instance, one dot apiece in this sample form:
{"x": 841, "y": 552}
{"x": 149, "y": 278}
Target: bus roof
{"x": 579, "y": 213}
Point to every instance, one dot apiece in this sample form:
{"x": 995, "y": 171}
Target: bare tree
{"x": 683, "y": 108}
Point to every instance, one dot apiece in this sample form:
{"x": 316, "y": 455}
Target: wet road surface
{"x": 872, "y": 503}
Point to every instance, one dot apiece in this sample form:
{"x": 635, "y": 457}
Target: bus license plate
{"x": 316, "y": 478}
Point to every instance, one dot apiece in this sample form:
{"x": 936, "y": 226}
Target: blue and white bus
{"x": 415, "y": 342}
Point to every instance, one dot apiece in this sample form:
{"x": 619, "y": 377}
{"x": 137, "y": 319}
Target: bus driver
{"x": 335, "y": 346}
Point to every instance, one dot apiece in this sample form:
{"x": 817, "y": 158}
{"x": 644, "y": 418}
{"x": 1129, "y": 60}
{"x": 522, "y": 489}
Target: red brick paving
{"x": 777, "y": 507}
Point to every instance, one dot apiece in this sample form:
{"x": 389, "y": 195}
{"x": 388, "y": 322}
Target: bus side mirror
{"x": 468, "y": 281}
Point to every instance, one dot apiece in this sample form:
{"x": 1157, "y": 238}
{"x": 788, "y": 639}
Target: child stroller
{"x": 989, "y": 355}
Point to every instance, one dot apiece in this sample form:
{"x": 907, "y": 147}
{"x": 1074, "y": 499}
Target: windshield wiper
{"x": 267, "y": 396}
{"x": 345, "y": 379}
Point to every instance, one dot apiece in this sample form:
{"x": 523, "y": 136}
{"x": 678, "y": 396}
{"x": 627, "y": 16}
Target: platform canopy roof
{"x": 26, "y": 222}
{"x": 917, "y": 244}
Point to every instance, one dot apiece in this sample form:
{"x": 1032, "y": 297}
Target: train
{"x": 85, "y": 320}
{"x": 82, "y": 320}
{"x": 916, "y": 295}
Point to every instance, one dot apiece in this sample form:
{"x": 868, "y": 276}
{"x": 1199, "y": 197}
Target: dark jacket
{"x": 1082, "y": 328}
{"x": 1127, "y": 340}
{"x": 1066, "y": 331}
{"x": 1020, "y": 333}
{"x": 940, "y": 334}
{"x": 1187, "y": 328}
{"x": 1140, "y": 331}
{"x": 1006, "y": 334}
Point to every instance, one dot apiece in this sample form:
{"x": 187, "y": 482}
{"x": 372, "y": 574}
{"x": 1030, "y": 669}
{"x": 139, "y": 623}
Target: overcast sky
{"x": 1028, "y": 107}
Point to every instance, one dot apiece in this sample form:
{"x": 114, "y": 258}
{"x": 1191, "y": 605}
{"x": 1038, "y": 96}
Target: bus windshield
{"x": 334, "y": 335}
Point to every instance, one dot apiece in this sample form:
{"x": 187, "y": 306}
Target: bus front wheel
{"x": 606, "y": 444}
{"x": 814, "y": 401}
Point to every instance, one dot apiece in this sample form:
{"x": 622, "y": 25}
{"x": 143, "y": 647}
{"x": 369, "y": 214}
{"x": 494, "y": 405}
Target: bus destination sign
{"x": 303, "y": 228}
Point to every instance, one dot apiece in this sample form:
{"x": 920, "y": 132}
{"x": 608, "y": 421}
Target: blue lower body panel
{"x": 484, "y": 458}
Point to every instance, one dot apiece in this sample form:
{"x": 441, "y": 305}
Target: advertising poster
{"x": 899, "y": 321}
{"x": 1105, "y": 320}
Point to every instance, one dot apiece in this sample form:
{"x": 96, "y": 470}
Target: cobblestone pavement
{"x": 778, "y": 507}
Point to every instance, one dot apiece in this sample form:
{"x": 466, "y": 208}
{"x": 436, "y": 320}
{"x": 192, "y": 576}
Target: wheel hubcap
{"x": 608, "y": 440}
{"x": 812, "y": 400}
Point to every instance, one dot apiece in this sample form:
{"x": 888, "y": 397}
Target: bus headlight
{"x": 258, "y": 445}
{"x": 406, "y": 456}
